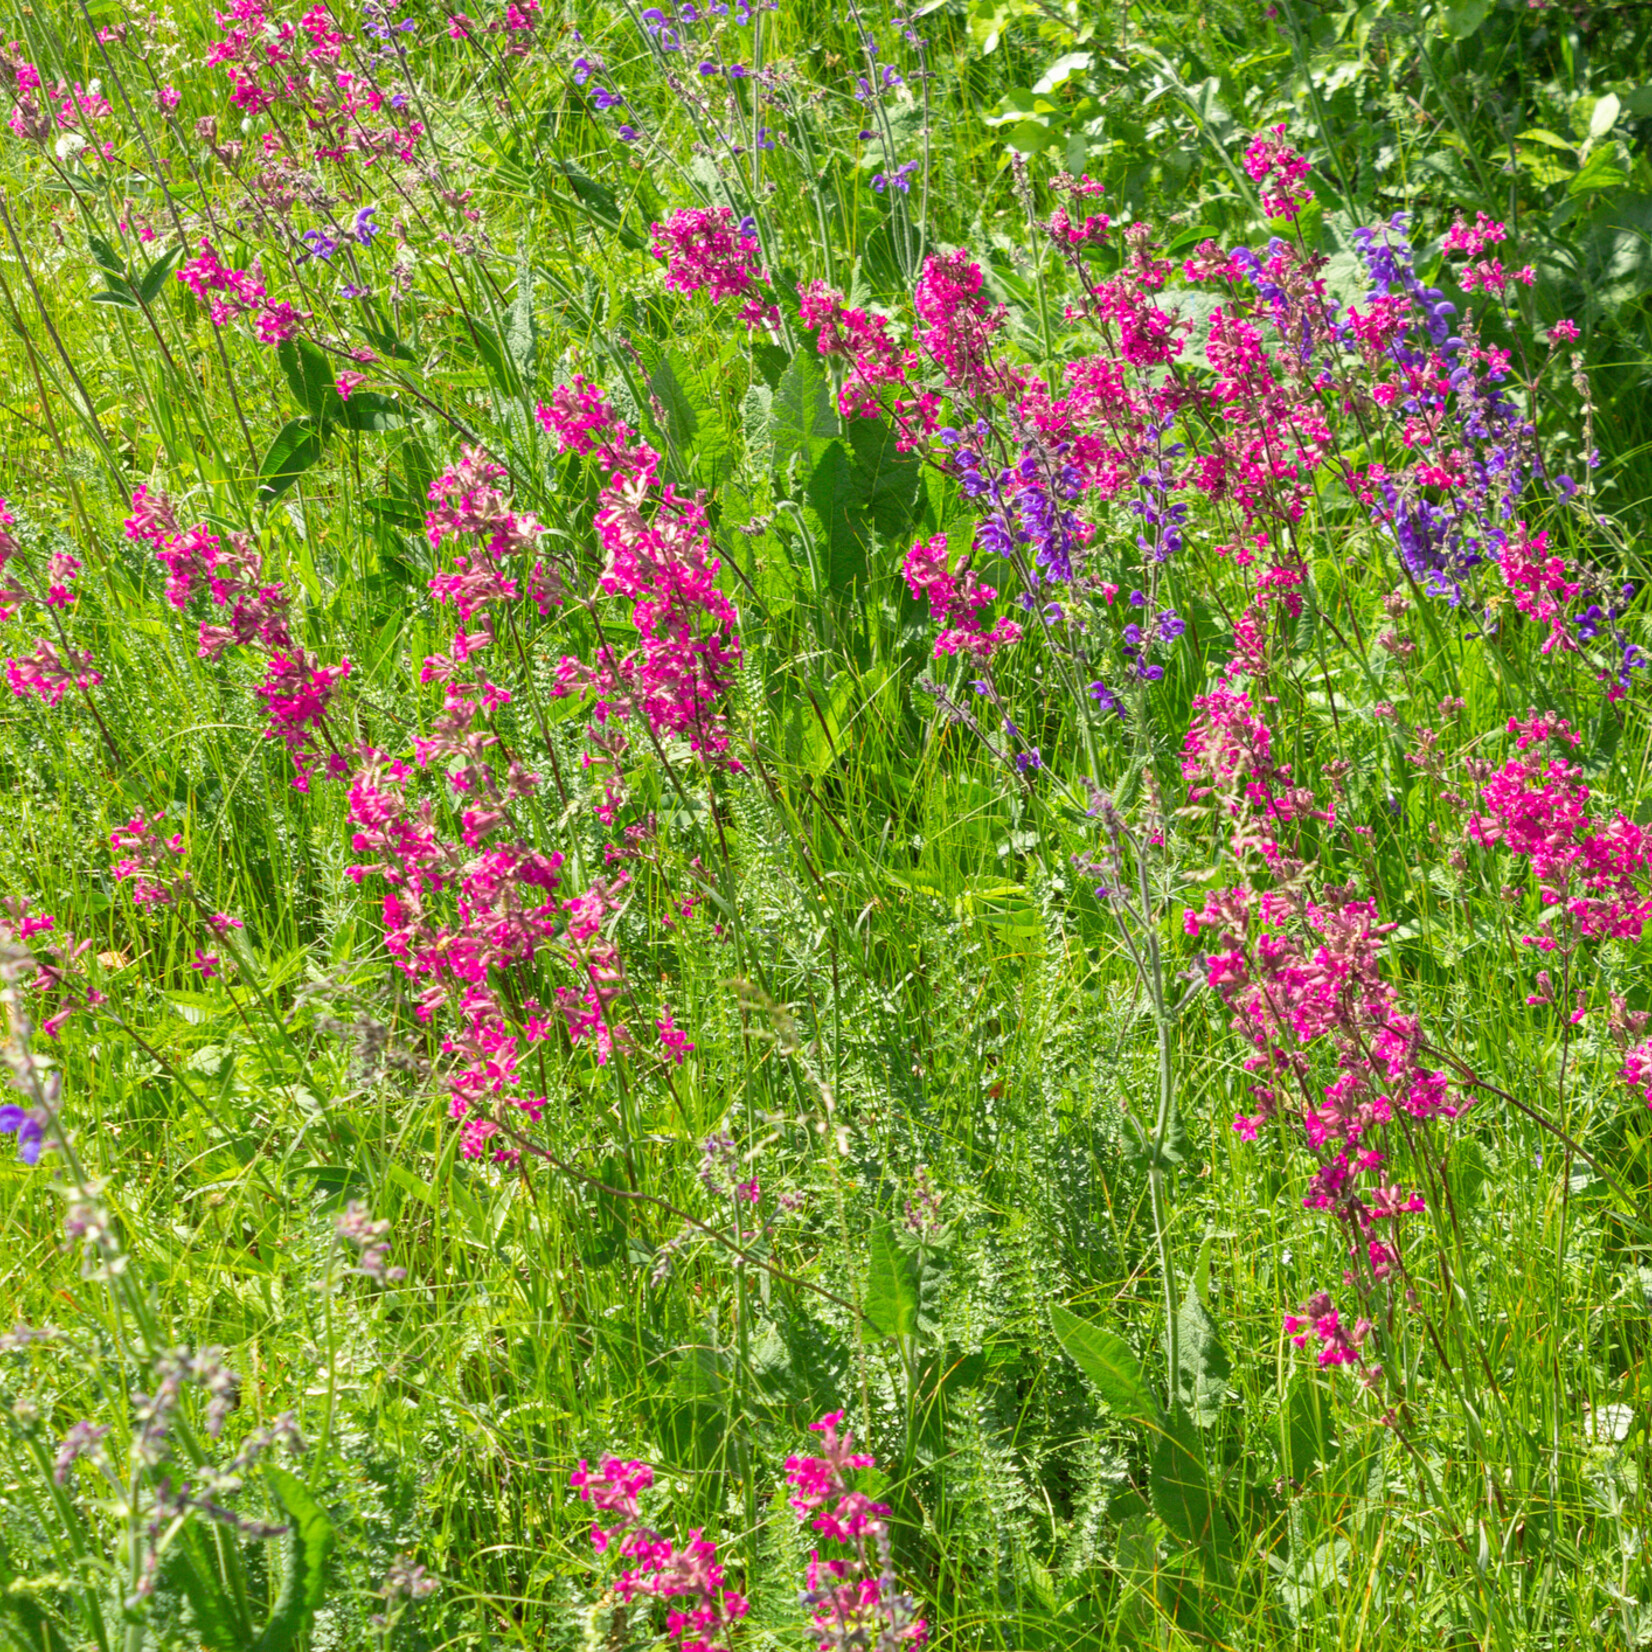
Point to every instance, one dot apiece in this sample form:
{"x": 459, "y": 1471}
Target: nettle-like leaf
{"x": 1110, "y": 1363}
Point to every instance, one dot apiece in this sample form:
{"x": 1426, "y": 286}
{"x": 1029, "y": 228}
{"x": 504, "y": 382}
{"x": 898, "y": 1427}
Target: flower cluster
{"x": 658, "y": 556}
{"x": 704, "y": 250}
{"x": 853, "y": 1603}
{"x": 1282, "y": 173}
{"x": 689, "y": 1574}
{"x": 956, "y": 598}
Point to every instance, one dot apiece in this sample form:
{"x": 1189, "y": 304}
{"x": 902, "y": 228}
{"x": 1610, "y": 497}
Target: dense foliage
{"x": 825, "y": 829}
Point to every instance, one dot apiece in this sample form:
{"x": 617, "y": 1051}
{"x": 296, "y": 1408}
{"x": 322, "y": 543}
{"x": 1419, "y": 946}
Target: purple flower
{"x": 582, "y": 67}
{"x": 322, "y": 245}
{"x": 23, "y": 1124}
{"x": 364, "y": 229}
{"x": 604, "y": 99}
{"x": 900, "y": 178}
{"x": 629, "y": 134}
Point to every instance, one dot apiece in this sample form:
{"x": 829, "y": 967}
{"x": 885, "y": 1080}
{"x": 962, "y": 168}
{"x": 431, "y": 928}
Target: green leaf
{"x": 1139, "y": 1146}
{"x": 296, "y": 447}
{"x": 888, "y": 479}
{"x": 1180, "y": 1490}
{"x": 220, "y": 1624}
{"x": 1306, "y": 1437}
{"x": 521, "y": 332}
{"x": 368, "y": 410}
{"x": 388, "y": 344}
{"x": 837, "y": 502}
{"x": 154, "y": 278}
{"x": 891, "y": 1285}
{"x": 1061, "y": 71}
{"x": 802, "y": 419}
{"x": 1604, "y": 116}
{"x": 1203, "y": 1364}
{"x": 597, "y": 202}
{"x": 1539, "y": 134}
{"x": 303, "y": 1579}
{"x": 108, "y": 260}
{"x": 1600, "y": 171}
{"x": 756, "y": 425}
{"x": 1109, "y": 1362}
{"x": 1465, "y": 19}
{"x": 310, "y": 378}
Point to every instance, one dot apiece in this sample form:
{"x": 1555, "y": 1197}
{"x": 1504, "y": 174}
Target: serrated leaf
{"x": 220, "y": 1625}
{"x": 888, "y": 479}
{"x": 1180, "y": 1490}
{"x": 303, "y": 1578}
{"x": 837, "y": 505}
{"x": 756, "y": 412}
{"x": 1203, "y": 1364}
{"x": 891, "y": 1285}
{"x": 521, "y": 331}
{"x": 802, "y": 419}
{"x": 296, "y": 447}
{"x": 1109, "y": 1362}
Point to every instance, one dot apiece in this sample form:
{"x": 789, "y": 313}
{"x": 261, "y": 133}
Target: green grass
{"x": 894, "y": 967}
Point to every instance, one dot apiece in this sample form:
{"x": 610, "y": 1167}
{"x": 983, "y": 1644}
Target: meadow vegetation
{"x": 825, "y": 828}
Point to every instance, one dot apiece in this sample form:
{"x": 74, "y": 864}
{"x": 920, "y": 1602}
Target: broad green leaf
{"x": 521, "y": 331}
{"x": 1544, "y": 168}
{"x": 303, "y": 1578}
{"x": 1600, "y": 171}
{"x": 388, "y": 344}
{"x": 891, "y": 1285}
{"x": 888, "y": 479}
{"x": 1540, "y": 134}
{"x": 1604, "y": 116}
{"x": 837, "y": 503}
{"x": 154, "y": 278}
{"x": 1204, "y": 1366}
{"x": 1181, "y": 1493}
{"x": 1306, "y": 1436}
{"x": 756, "y": 424}
{"x": 1109, "y": 1362}
{"x": 1061, "y": 71}
{"x": 310, "y": 377}
{"x": 1464, "y": 19}
{"x": 296, "y": 447}
{"x": 369, "y": 410}
{"x": 802, "y": 419}
{"x": 108, "y": 260}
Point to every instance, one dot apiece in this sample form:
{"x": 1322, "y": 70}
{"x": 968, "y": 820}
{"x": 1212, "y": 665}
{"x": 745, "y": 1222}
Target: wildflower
{"x": 26, "y": 1126}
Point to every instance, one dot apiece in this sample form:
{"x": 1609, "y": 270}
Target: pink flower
{"x": 346, "y": 382}
{"x": 1269, "y": 161}
{"x": 704, "y": 250}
